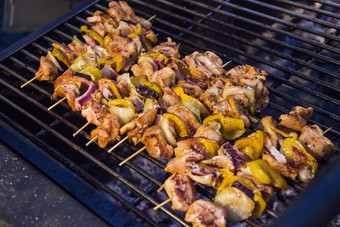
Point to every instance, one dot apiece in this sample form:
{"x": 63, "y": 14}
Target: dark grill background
{"x": 297, "y": 43}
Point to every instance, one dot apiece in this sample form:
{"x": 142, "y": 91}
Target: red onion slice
{"x": 81, "y": 100}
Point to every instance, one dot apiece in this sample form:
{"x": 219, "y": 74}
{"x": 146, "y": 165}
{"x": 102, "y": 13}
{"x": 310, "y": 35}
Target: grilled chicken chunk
{"x": 284, "y": 168}
{"x": 47, "y": 70}
{"x": 206, "y": 65}
{"x": 219, "y": 161}
{"x": 136, "y": 128}
{"x": 297, "y": 118}
{"x": 313, "y": 139}
{"x": 108, "y": 131}
{"x": 165, "y": 77}
{"x": 181, "y": 190}
{"x": 190, "y": 88}
{"x": 186, "y": 116}
{"x": 169, "y": 49}
{"x": 233, "y": 154}
{"x": 204, "y": 175}
{"x": 155, "y": 143}
{"x": 206, "y": 132}
{"x": 206, "y": 213}
{"x": 254, "y": 78}
{"x": 94, "y": 112}
{"x": 189, "y": 150}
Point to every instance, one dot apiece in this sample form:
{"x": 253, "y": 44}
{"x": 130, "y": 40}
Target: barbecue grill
{"x": 296, "y": 42}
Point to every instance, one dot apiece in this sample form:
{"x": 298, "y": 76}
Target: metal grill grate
{"x": 298, "y": 44}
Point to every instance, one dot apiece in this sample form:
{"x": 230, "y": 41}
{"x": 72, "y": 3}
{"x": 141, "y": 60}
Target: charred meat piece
{"x": 219, "y": 161}
{"x": 285, "y": 168}
{"x": 189, "y": 150}
{"x": 108, "y": 131}
{"x": 186, "y": 116}
{"x": 207, "y": 133}
{"x": 297, "y": 118}
{"x": 204, "y": 66}
{"x": 94, "y": 112}
{"x": 136, "y": 128}
{"x": 190, "y": 88}
{"x": 254, "y": 78}
{"x": 204, "y": 175}
{"x": 47, "y": 70}
{"x": 313, "y": 139}
{"x": 145, "y": 67}
{"x": 206, "y": 213}
{"x": 237, "y": 157}
{"x": 181, "y": 190}
{"x": 165, "y": 77}
{"x": 155, "y": 143}
{"x": 169, "y": 49}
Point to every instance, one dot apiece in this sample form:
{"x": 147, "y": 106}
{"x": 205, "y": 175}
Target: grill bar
{"x": 303, "y": 6}
{"x": 267, "y": 27}
{"x": 298, "y": 15}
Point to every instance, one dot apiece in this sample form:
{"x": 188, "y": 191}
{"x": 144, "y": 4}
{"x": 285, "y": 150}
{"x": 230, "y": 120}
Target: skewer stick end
{"x": 327, "y": 130}
{"x": 162, "y": 204}
{"x": 27, "y": 82}
{"x": 117, "y": 144}
{"x": 132, "y": 156}
{"x": 81, "y": 129}
{"x": 225, "y": 64}
{"x": 151, "y": 18}
{"x": 91, "y": 141}
{"x": 55, "y": 104}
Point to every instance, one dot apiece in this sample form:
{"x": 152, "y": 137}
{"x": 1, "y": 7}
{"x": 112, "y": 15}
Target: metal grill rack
{"x": 297, "y": 43}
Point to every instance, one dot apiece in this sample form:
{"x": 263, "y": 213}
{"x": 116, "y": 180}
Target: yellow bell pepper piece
{"x": 94, "y": 35}
{"x": 107, "y": 39}
{"x": 269, "y": 126}
{"x": 251, "y": 145}
{"x": 187, "y": 98}
{"x": 211, "y": 146}
{"x": 126, "y": 102}
{"x": 60, "y": 56}
{"x": 296, "y": 152}
{"x": 180, "y": 127}
{"x": 136, "y": 33}
{"x": 154, "y": 87}
{"x": 266, "y": 175}
{"x": 232, "y": 128}
{"x": 97, "y": 13}
{"x": 92, "y": 71}
{"x": 228, "y": 179}
{"x": 113, "y": 87}
{"x": 115, "y": 62}
{"x": 260, "y": 204}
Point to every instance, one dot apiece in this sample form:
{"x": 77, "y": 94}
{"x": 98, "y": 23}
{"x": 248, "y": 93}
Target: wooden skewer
{"x": 79, "y": 130}
{"x": 151, "y": 18}
{"x": 27, "y": 82}
{"x": 92, "y": 140}
{"x": 56, "y": 104}
{"x": 327, "y": 130}
{"x": 117, "y": 144}
{"x": 160, "y": 188}
{"x": 133, "y": 155}
{"x": 225, "y": 64}
{"x": 162, "y": 204}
